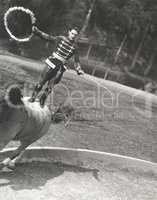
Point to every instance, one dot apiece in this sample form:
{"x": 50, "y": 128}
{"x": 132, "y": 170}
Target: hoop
{"x": 27, "y": 11}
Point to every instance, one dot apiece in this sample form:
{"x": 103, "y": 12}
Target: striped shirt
{"x": 64, "y": 48}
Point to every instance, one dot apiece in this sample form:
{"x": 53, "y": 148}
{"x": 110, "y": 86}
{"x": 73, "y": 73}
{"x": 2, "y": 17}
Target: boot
{"x": 43, "y": 99}
{"x": 37, "y": 89}
{"x": 44, "y": 96}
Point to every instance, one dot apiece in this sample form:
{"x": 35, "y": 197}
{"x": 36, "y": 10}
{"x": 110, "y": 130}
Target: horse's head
{"x": 10, "y": 100}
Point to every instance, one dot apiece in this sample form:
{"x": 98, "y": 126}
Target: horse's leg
{"x": 16, "y": 155}
{"x": 2, "y": 145}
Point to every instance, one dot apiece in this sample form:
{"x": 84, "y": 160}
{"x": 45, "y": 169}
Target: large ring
{"x": 27, "y": 11}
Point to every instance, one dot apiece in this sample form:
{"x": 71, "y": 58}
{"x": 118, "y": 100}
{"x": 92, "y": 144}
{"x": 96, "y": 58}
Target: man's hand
{"x": 79, "y": 70}
{"x": 34, "y": 29}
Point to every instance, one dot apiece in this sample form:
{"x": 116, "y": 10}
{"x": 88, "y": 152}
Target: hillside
{"x": 107, "y": 116}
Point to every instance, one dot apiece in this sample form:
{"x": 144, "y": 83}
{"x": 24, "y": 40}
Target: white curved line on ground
{"x": 84, "y": 157}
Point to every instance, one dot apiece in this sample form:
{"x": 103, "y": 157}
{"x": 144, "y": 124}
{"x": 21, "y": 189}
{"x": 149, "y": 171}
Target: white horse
{"x": 22, "y": 121}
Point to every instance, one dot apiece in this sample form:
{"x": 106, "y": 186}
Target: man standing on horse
{"x": 65, "y": 48}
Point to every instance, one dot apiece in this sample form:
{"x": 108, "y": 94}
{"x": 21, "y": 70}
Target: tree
{"x": 88, "y": 16}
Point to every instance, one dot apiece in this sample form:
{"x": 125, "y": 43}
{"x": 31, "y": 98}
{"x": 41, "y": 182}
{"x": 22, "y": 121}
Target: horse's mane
{"x": 3, "y": 89}
{"x": 14, "y": 94}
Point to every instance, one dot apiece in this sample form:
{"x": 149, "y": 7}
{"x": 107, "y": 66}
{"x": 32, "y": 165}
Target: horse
{"x": 20, "y": 121}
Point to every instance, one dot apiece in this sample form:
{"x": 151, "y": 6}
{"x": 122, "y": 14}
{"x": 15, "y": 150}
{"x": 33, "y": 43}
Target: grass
{"x": 103, "y": 119}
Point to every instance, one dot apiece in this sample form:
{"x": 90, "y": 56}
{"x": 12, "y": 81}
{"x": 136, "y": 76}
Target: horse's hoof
{"x": 6, "y": 161}
{"x": 11, "y": 165}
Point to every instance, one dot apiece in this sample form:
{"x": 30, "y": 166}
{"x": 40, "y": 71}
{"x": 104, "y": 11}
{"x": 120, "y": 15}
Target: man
{"x": 65, "y": 48}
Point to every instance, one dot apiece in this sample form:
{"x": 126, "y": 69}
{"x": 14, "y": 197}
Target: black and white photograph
{"x": 78, "y": 100}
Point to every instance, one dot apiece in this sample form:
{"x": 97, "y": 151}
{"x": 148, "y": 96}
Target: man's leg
{"x": 58, "y": 77}
{"x": 45, "y": 94}
{"x": 36, "y": 90}
{"x": 51, "y": 83}
{"x": 47, "y": 74}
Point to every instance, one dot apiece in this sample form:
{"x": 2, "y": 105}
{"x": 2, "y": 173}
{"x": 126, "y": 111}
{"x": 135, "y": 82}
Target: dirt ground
{"x": 104, "y": 118}
{"x": 59, "y": 181}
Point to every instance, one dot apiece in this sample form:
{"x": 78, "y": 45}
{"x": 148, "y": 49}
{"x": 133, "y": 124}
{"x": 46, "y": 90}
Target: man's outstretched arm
{"x": 43, "y": 35}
